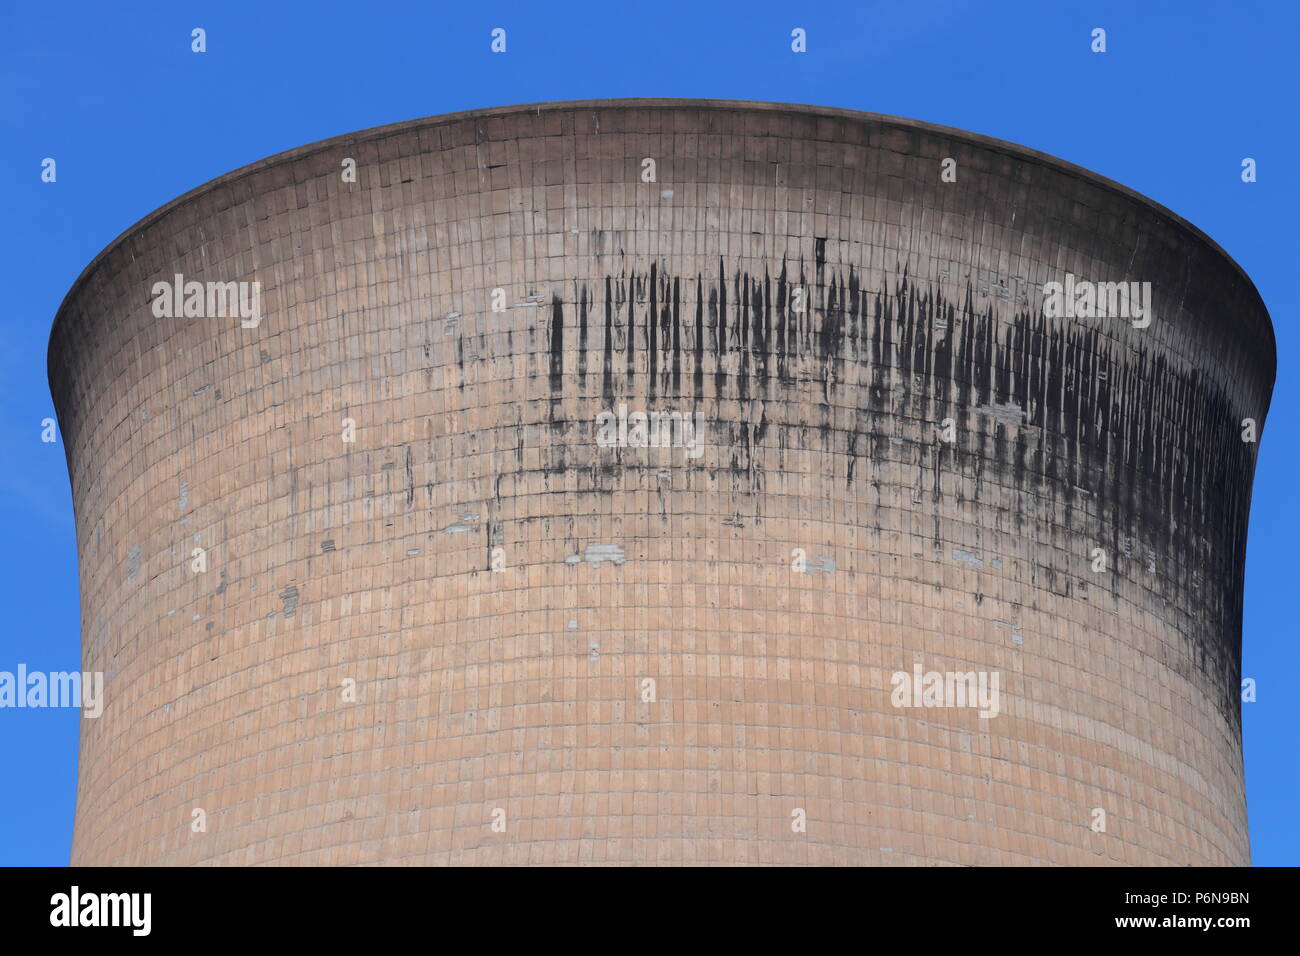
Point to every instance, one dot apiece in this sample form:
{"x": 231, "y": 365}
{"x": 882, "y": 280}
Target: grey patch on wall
{"x": 1008, "y": 414}
{"x": 133, "y": 561}
{"x": 327, "y": 545}
{"x": 465, "y": 523}
{"x": 824, "y": 563}
{"x": 598, "y": 554}
{"x": 1015, "y": 631}
{"x": 185, "y": 497}
{"x": 290, "y": 598}
{"x": 966, "y": 557}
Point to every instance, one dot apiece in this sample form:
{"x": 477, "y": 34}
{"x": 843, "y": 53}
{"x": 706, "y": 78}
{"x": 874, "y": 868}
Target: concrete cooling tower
{"x": 662, "y": 481}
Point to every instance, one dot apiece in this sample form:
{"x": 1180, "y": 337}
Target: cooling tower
{"x": 662, "y": 481}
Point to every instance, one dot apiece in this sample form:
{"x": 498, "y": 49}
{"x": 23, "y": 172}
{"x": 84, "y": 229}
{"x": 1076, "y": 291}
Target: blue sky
{"x": 134, "y": 119}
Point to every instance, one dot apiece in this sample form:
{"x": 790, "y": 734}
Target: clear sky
{"x": 1185, "y": 91}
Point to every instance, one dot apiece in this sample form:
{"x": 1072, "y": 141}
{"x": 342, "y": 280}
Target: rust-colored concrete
{"x": 826, "y": 536}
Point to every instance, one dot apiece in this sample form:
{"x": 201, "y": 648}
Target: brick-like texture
{"x": 501, "y": 587}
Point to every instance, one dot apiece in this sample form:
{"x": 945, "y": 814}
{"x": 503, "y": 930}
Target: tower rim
{"x": 1006, "y": 147}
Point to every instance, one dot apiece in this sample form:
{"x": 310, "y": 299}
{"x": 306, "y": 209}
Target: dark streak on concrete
{"x": 1149, "y": 444}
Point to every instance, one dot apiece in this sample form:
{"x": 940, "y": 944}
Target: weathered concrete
{"x": 637, "y": 655}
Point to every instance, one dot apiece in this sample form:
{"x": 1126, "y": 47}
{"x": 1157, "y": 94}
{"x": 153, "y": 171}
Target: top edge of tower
{"x": 1023, "y": 153}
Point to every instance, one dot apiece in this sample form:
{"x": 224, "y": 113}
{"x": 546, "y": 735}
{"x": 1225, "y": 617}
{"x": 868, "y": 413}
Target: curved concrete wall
{"x": 491, "y": 628}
